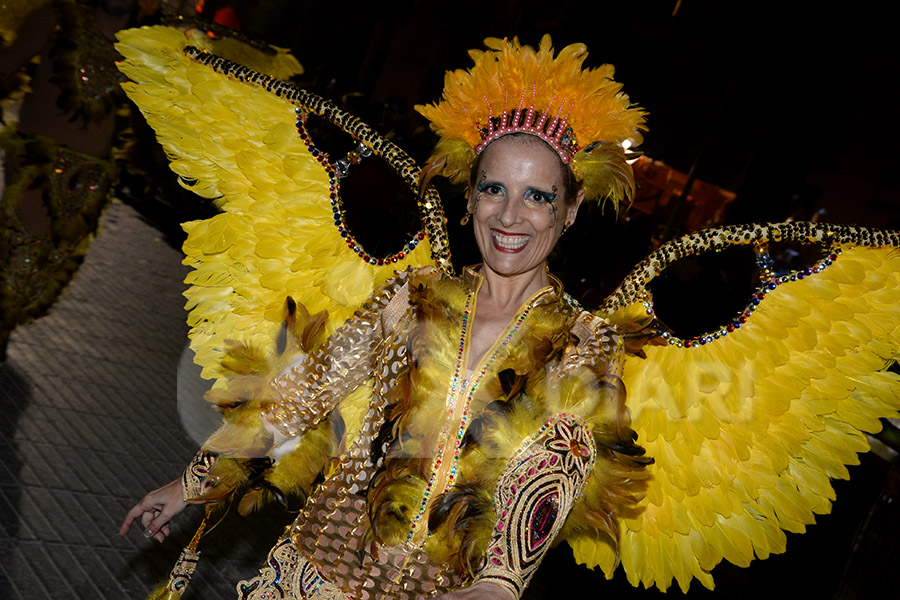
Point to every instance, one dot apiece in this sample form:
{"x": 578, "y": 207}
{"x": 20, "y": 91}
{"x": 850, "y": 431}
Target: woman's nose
{"x": 509, "y": 214}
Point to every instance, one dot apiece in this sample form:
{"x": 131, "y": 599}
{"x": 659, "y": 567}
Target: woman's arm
{"x": 533, "y": 497}
{"x": 299, "y": 399}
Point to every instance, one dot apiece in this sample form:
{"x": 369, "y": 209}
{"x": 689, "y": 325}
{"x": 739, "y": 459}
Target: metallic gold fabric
{"x": 413, "y": 420}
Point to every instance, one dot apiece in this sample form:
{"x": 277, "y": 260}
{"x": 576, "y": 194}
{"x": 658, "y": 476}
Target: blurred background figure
{"x": 57, "y": 143}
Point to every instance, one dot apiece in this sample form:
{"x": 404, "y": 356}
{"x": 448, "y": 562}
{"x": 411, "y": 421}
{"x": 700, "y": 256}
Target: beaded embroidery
{"x": 533, "y": 497}
{"x": 469, "y": 387}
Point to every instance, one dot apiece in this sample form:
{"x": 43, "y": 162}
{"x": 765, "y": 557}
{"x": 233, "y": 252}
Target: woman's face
{"x": 518, "y": 202}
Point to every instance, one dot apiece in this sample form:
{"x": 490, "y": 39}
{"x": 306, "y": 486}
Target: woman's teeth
{"x": 510, "y": 242}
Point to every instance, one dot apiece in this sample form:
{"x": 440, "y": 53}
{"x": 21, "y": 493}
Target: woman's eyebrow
{"x": 484, "y": 183}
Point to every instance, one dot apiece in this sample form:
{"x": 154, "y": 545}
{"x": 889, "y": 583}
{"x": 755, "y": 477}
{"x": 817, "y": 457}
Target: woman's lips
{"x": 509, "y": 242}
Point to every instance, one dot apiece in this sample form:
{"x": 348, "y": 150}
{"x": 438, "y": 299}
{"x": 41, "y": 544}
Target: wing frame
{"x": 749, "y": 423}
{"x": 236, "y": 135}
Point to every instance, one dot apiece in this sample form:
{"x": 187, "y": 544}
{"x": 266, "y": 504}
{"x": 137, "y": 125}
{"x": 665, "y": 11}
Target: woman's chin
{"x": 506, "y": 264}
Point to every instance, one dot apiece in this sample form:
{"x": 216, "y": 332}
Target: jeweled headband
{"x": 580, "y": 113}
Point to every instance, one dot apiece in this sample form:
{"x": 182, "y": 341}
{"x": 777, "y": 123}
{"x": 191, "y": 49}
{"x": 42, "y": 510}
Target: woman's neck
{"x": 506, "y": 293}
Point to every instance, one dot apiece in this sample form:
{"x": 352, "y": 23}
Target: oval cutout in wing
{"x": 379, "y": 209}
{"x": 698, "y": 294}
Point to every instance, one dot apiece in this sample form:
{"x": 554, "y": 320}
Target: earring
{"x": 465, "y": 220}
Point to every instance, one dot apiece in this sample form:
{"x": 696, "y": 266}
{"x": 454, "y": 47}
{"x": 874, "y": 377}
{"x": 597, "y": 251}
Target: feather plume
{"x": 450, "y": 158}
{"x": 295, "y": 472}
{"x": 162, "y": 592}
{"x": 605, "y": 174}
{"x": 462, "y": 520}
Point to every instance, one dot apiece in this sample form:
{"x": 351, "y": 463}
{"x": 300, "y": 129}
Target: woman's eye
{"x": 491, "y": 189}
{"x": 540, "y": 198}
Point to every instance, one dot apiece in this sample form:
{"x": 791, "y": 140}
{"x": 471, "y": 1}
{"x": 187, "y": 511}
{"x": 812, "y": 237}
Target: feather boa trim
{"x": 242, "y": 443}
{"x": 518, "y": 395}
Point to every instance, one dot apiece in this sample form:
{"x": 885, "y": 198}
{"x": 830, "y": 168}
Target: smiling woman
{"x": 493, "y": 395}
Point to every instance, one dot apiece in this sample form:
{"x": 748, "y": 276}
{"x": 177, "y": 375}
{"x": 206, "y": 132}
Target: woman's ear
{"x": 470, "y": 199}
{"x": 572, "y": 210}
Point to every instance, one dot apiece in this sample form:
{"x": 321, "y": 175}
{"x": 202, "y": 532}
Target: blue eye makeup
{"x": 546, "y": 196}
{"x": 490, "y": 187}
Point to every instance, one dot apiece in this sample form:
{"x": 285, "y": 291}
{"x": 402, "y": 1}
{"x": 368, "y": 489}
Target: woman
{"x": 448, "y": 431}
{"x": 521, "y": 201}
{"x": 495, "y": 396}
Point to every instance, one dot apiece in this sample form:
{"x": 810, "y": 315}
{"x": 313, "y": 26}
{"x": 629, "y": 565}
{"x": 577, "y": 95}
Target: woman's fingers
{"x": 155, "y": 510}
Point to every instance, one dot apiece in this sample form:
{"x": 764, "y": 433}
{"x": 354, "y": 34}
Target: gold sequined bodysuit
{"x": 388, "y": 521}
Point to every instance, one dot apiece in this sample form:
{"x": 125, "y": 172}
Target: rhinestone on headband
{"x": 555, "y": 131}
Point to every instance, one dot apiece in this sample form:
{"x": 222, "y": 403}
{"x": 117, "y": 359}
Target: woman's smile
{"x": 509, "y": 242}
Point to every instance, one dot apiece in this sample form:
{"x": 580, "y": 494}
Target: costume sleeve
{"x": 306, "y": 392}
{"x": 533, "y": 497}
{"x": 280, "y": 414}
{"x": 579, "y": 465}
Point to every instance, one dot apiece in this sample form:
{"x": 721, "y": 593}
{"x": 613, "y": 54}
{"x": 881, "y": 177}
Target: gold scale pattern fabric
{"x": 337, "y": 545}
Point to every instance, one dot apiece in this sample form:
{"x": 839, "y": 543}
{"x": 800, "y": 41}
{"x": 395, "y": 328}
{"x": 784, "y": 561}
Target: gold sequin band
{"x": 634, "y": 287}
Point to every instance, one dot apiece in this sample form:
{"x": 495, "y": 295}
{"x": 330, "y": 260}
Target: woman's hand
{"x": 483, "y": 590}
{"x": 155, "y": 510}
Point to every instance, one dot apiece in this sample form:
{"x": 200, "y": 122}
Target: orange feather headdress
{"x": 581, "y": 113}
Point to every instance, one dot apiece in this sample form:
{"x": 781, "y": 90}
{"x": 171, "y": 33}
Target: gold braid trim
{"x": 634, "y": 287}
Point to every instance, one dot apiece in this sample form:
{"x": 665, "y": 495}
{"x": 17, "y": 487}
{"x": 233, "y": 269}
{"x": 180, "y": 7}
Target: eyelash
{"x": 490, "y": 188}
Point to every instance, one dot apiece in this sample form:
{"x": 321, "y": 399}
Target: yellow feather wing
{"x": 232, "y": 134}
{"x": 747, "y": 429}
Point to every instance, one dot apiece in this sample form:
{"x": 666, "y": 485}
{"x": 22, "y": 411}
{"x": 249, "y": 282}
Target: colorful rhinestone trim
{"x": 337, "y": 208}
{"x": 452, "y": 396}
{"x": 769, "y": 283}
